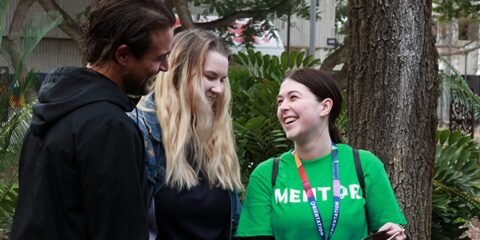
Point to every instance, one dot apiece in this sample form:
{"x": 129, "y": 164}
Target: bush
{"x": 255, "y": 85}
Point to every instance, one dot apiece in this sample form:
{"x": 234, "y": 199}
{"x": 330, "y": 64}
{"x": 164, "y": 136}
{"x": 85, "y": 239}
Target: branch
{"x": 339, "y": 56}
{"x": 460, "y": 52}
{"x": 93, "y": 3}
{"x": 184, "y": 14}
{"x": 68, "y": 25}
{"x": 342, "y": 76}
{"x": 453, "y": 46}
{"x": 239, "y": 14}
{"x": 19, "y": 17}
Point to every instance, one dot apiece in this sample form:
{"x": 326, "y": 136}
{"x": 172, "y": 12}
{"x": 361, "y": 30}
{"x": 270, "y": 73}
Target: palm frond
{"x": 459, "y": 87}
{"x": 456, "y": 184}
{"x": 13, "y": 130}
{"x": 33, "y": 31}
{"x": 458, "y": 193}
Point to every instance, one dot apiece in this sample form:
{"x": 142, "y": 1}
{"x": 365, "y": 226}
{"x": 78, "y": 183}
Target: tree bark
{"x": 93, "y": 3}
{"x": 392, "y": 97}
{"x": 184, "y": 14}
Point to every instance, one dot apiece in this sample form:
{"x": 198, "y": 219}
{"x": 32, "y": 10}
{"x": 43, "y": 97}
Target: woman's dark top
{"x": 199, "y": 213}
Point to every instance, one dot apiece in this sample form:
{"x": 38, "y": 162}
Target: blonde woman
{"x": 192, "y": 170}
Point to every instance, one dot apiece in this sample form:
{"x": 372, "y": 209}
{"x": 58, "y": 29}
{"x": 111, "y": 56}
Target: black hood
{"x": 70, "y": 88}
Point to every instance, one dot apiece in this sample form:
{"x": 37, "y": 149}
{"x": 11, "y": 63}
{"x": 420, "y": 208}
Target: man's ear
{"x": 122, "y": 54}
{"x": 326, "y": 106}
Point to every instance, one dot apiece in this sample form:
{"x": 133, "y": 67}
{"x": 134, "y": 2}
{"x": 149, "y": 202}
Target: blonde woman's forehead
{"x": 217, "y": 63}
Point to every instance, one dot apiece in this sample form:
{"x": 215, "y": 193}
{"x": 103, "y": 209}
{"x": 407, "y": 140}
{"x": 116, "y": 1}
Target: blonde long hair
{"x": 196, "y": 136}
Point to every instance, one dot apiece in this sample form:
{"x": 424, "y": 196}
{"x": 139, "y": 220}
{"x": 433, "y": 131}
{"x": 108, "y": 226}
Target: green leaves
{"x": 457, "y": 168}
{"x": 255, "y": 85}
{"x": 456, "y": 9}
{"x": 8, "y": 199}
{"x": 15, "y": 100}
{"x": 273, "y": 67}
{"x": 456, "y": 184}
{"x": 459, "y": 88}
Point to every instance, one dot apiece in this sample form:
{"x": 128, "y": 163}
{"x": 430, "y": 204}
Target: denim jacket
{"x": 155, "y": 163}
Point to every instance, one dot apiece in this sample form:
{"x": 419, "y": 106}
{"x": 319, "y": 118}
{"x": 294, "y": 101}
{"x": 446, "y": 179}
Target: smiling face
{"x": 214, "y": 75}
{"x": 140, "y": 73}
{"x": 300, "y": 113}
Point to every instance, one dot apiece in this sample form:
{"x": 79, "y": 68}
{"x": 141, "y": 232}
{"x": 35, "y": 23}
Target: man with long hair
{"x": 81, "y": 166}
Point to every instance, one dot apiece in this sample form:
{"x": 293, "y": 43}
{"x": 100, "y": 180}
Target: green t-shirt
{"x": 284, "y": 212}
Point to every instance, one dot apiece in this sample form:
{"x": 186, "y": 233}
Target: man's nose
{"x": 163, "y": 66}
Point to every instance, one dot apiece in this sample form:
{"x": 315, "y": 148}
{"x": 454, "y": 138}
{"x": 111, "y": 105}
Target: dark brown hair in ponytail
{"x": 323, "y": 85}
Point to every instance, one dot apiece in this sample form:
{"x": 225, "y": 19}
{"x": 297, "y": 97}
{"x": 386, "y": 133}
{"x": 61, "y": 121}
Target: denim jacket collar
{"x": 151, "y": 118}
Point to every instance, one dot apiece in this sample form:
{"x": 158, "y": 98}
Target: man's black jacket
{"x": 81, "y": 166}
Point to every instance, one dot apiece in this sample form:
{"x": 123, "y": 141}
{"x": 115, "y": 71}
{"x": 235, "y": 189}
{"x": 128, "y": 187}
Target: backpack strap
{"x": 275, "y": 170}
{"x": 359, "y": 170}
{"x": 361, "y": 180}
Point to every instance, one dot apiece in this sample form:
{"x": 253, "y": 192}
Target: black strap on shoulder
{"x": 361, "y": 179}
{"x": 358, "y": 167}
{"x": 275, "y": 170}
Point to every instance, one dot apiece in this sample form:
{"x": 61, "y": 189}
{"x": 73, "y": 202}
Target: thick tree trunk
{"x": 392, "y": 97}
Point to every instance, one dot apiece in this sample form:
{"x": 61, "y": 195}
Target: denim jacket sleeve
{"x": 235, "y": 208}
{"x": 155, "y": 161}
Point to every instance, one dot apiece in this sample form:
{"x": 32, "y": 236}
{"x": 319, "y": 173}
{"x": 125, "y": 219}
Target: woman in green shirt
{"x": 316, "y": 194}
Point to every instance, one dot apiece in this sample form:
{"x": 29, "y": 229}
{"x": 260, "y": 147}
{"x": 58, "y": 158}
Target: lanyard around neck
{"x": 311, "y": 198}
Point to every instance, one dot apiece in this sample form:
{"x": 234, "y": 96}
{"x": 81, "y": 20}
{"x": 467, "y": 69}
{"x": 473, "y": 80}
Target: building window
{"x": 467, "y": 30}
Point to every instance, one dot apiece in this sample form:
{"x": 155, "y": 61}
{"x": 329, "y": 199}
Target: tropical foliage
{"x": 255, "y": 84}
{"x": 16, "y": 94}
{"x": 454, "y": 84}
{"x": 456, "y": 183}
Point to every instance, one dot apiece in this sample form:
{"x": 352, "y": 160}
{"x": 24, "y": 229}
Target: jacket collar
{"x": 150, "y": 118}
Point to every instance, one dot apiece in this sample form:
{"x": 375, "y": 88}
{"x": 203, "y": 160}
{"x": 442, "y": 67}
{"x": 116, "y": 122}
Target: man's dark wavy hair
{"x": 115, "y": 22}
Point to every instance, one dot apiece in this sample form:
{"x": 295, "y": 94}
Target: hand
{"x": 395, "y": 231}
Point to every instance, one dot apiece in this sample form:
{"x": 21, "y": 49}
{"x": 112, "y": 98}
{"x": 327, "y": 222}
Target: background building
{"x": 58, "y": 49}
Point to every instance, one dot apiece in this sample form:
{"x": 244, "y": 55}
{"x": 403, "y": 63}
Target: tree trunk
{"x": 68, "y": 25}
{"x": 392, "y": 97}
